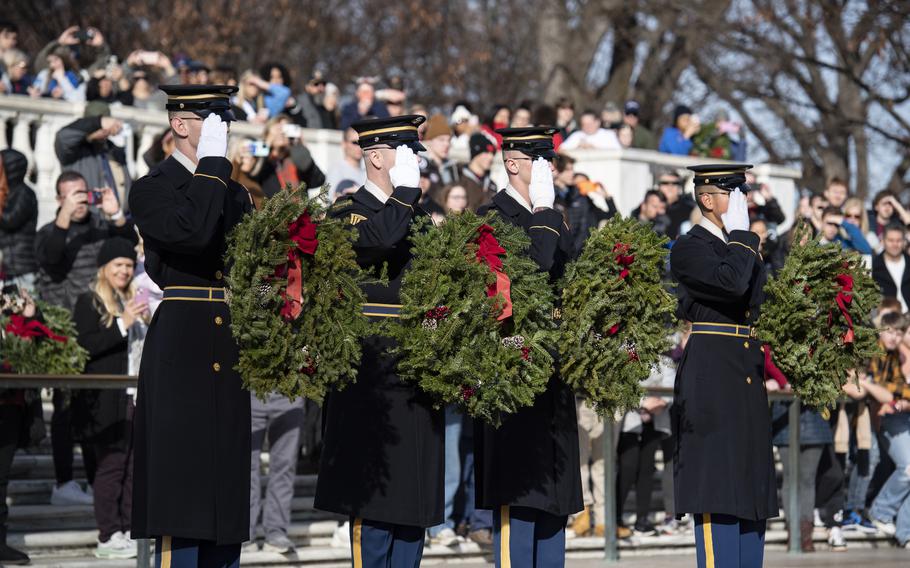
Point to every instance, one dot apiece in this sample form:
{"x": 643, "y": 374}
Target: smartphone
{"x": 148, "y": 57}
{"x": 258, "y": 148}
{"x": 84, "y": 35}
{"x": 94, "y": 197}
{"x": 291, "y": 130}
{"x": 142, "y": 296}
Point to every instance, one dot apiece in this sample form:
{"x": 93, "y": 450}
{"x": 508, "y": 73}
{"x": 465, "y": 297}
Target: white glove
{"x": 213, "y": 140}
{"x": 541, "y": 189}
{"x": 405, "y": 172}
{"x": 737, "y": 216}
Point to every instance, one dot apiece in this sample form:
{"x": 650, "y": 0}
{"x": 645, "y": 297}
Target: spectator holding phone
{"x": 83, "y": 48}
{"x": 288, "y": 160}
{"x": 87, "y": 146}
{"x": 106, "y": 317}
{"x": 59, "y": 80}
{"x": 148, "y": 69}
{"x": 677, "y": 139}
{"x": 66, "y": 248}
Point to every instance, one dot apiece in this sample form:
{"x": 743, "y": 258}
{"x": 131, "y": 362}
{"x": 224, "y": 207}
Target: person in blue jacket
{"x": 677, "y": 139}
{"x": 836, "y": 230}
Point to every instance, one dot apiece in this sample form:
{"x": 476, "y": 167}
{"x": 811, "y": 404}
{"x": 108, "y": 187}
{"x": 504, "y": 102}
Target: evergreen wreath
{"x": 616, "y": 313}
{"x": 295, "y": 298}
{"x": 43, "y": 345}
{"x": 816, "y": 318}
{"x": 476, "y": 326}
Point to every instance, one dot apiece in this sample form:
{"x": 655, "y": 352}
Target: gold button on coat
{"x": 748, "y": 380}
{"x": 746, "y": 344}
{"x": 218, "y": 275}
{"x": 216, "y": 367}
{"x": 748, "y": 314}
{"x": 218, "y": 320}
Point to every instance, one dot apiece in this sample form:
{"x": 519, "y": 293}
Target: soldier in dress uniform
{"x": 192, "y": 427}
{"x": 383, "y": 444}
{"x": 724, "y": 470}
{"x": 527, "y": 470}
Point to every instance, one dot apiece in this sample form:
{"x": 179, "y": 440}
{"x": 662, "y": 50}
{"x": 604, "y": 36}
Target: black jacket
{"x": 19, "y": 218}
{"x": 887, "y": 284}
{"x": 532, "y": 459}
{"x": 100, "y": 415}
{"x": 192, "y": 423}
{"x": 307, "y": 171}
{"x": 723, "y": 457}
{"x": 67, "y": 258}
{"x": 383, "y": 441}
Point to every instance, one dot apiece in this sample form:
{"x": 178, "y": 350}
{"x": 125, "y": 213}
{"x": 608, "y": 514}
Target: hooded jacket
{"x": 18, "y": 219}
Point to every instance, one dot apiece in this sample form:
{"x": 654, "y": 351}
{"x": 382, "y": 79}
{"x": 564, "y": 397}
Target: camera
{"x": 94, "y": 197}
{"x": 258, "y": 148}
{"x": 84, "y": 35}
{"x": 291, "y": 130}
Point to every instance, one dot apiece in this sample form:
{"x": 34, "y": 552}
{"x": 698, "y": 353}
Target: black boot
{"x": 9, "y": 555}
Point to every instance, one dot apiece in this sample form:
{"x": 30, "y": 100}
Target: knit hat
{"x": 480, "y": 143}
{"x": 679, "y": 111}
{"x": 116, "y": 247}
{"x": 437, "y": 126}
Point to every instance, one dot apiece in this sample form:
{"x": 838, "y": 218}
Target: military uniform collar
{"x": 175, "y": 171}
{"x": 709, "y": 226}
{"x": 366, "y": 198}
{"x": 375, "y": 191}
{"x": 513, "y": 193}
{"x": 507, "y": 204}
{"x": 184, "y": 160}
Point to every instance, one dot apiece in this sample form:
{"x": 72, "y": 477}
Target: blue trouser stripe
{"x": 736, "y": 543}
{"x": 174, "y": 552}
{"x": 535, "y": 539}
{"x": 386, "y": 545}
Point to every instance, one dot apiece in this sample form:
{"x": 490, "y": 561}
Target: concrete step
{"x": 31, "y": 518}
{"x": 321, "y": 554}
{"x": 36, "y": 491}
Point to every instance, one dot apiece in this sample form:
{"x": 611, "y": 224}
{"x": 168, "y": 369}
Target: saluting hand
{"x": 541, "y": 190}
{"x": 406, "y": 171}
{"x": 737, "y": 216}
{"x": 213, "y": 140}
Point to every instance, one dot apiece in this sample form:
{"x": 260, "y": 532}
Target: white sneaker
{"x": 445, "y": 537}
{"x": 70, "y": 494}
{"x": 817, "y": 519}
{"x": 116, "y": 547}
{"x": 341, "y": 538}
{"x": 888, "y": 528}
{"x": 836, "y": 539}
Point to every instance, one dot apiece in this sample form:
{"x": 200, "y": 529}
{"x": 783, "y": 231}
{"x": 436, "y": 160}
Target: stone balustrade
{"x": 32, "y": 125}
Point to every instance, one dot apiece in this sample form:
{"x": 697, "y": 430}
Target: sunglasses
{"x": 852, "y": 216}
{"x": 667, "y": 182}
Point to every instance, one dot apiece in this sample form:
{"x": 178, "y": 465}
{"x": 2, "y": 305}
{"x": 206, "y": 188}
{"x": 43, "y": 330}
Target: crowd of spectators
{"x": 89, "y": 260}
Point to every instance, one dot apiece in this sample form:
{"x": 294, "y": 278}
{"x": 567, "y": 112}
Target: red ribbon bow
{"x": 844, "y": 298}
{"x": 489, "y": 251}
{"x": 303, "y": 233}
{"x": 623, "y": 259}
{"x": 27, "y": 328}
